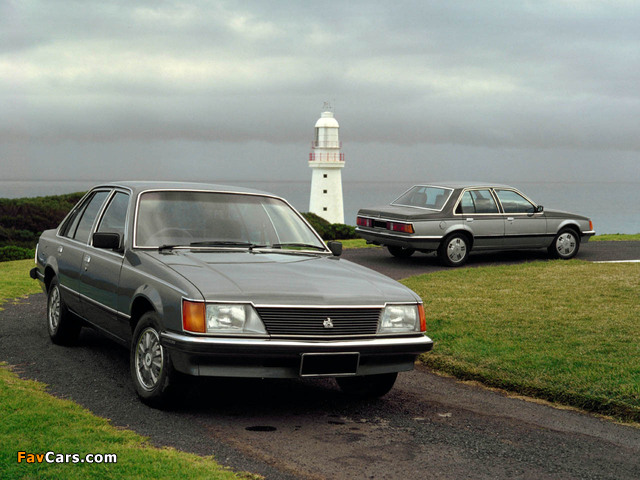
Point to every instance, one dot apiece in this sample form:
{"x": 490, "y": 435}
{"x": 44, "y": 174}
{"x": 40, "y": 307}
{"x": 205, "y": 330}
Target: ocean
{"x": 614, "y": 207}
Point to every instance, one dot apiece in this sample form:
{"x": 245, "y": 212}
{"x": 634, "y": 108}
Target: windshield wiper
{"x": 299, "y": 245}
{"x": 221, "y": 243}
{"x": 168, "y": 247}
{"x": 251, "y": 246}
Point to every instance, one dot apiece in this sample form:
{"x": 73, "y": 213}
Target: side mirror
{"x": 539, "y": 209}
{"x": 335, "y": 247}
{"x": 106, "y": 240}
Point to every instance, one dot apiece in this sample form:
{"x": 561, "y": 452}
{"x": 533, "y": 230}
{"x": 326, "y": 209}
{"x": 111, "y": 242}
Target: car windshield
{"x": 424, "y": 196}
{"x": 213, "y": 219}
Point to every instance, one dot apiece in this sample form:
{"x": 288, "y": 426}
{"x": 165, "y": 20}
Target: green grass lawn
{"x": 562, "y": 331}
{"x": 35, "y": 422}
{"x": 15, "y": 281}
{"x": 357, "y": 243}
{"x": 615, "y": 237}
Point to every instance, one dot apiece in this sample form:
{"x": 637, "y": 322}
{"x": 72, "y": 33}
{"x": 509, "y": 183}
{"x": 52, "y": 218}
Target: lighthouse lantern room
{"x": 326, "y": 162}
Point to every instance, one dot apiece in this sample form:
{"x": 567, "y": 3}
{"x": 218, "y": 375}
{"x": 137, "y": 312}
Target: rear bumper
{"x": 267, "y": 358}
{"x": 398, "y": 240}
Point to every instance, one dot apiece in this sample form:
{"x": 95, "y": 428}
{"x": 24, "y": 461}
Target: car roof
{"x": 140, "y": 186}
{"x": 460, "y": 185}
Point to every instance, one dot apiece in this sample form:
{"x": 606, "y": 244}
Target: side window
{"x": 83, "y": 229}
{"x": 70, "y": 227}
{"x": 466, "y": 205}
{"x": 477, "y": 201}
{"x": 513, "y": 202}
{"x": 115, "y": 216}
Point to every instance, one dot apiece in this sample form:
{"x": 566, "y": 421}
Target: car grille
{"x": 313, "y": 322}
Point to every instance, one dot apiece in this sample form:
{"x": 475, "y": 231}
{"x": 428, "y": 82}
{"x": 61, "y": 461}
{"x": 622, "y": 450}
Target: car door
{"x": 524, "y": 226}
{"x": 479, "y": 213}
{"x": 101, "y": 268}
{"x": 70, "y": 252}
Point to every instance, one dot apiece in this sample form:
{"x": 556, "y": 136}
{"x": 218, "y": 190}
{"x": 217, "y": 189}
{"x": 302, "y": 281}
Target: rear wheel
{"x": 367, "y": 386}
{"x": 151, "y": 369}
{"x": 62, "y": 326}
{"x": 454, "y": 250}
{"x": 400, "y": 252}
{"x": 565, "y": 244}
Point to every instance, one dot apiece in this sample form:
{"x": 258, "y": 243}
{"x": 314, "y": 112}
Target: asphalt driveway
{"x": 381, "y": 260}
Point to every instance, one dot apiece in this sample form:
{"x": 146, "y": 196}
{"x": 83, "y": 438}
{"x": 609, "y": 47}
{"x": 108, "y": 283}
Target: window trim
{"x": 134, "y": 244}
{"x": 535, "y": 205}
{"x": 444, "y": 204}
{"x": 110, "y": 198}
{"x": 82, "y": 205}
{"x": 491, "y": 192}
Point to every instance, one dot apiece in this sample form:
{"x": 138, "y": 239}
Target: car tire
{"x": 565, "y": 244}
{"x": 151, "y": 369}
{"x": 63, "y": 327}
{"x": 367, "y": 386}
{"x": 400, "y": 252}
{"x": 454, "y": 250}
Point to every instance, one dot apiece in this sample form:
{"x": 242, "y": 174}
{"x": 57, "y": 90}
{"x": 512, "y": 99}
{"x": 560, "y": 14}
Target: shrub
{"x": 23, "y": 219}
{"x": 11, "y": 252}
{"x": 330, "y": 231}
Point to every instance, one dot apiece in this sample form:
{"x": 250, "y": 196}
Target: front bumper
{"x": 269, "y": 358}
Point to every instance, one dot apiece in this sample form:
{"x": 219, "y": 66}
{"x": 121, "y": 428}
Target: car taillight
{"x": 590, "y": 225}
{"x": 400, "y": 227}
{"x": 364, "y": 222}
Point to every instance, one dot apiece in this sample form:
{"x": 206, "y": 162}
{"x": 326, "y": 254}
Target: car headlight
{"x": 402, "y": 319}
{"x": 225, "y": 318}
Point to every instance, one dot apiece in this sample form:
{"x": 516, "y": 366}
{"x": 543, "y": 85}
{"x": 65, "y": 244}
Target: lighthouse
{"x": 326, "y": 163}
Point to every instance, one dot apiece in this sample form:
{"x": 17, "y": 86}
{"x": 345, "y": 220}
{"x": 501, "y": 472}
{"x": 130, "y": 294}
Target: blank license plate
{"x": 329, "y": 364}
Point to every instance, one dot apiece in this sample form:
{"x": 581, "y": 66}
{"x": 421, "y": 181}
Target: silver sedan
{"x": 454, "y": 218}
{"x": 208, "y": 280}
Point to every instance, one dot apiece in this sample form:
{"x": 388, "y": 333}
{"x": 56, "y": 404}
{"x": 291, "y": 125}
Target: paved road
{"x": 381, "y": 260}
{"x": 427, "y": 427}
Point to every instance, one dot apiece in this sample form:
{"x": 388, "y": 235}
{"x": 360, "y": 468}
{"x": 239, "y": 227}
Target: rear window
{"x": 423, "y": 196}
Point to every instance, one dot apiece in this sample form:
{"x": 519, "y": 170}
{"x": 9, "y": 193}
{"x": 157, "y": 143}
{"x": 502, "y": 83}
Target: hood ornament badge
{"x": 328, "y": 323}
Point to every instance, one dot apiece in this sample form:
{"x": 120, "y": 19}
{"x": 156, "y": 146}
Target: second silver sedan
{"x": 454, "y": 218}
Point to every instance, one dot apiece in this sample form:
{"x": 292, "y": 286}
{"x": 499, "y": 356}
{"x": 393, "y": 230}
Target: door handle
{"x": 87, "y": 260}
{"x": 510, "y": 219}
{"x": 60, "y": 249}
{"x": 469, "y": 219}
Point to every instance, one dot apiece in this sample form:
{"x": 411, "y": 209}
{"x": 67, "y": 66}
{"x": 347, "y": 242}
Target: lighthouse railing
{"x": 326, "y": 157}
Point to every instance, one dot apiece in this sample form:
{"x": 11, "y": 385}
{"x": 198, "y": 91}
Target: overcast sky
{"x": 224, "y": 90}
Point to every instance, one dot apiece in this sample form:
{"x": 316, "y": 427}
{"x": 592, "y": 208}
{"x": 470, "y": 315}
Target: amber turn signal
{"x": 423, "y": 318}
{"x": 193, "y": 317}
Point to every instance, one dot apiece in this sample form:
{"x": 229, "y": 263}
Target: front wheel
{"x": 400, "y": 252}
{"x": 151, "y": 369}
{"x": 454, "y": 251}
{"x": 565, "y": 244}
{"x": 62, "y": 326}
{"x": 367, "y": 386}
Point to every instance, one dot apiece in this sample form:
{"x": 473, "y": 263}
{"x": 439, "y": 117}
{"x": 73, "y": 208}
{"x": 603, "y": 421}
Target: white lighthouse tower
{"x": 326, "y": 163}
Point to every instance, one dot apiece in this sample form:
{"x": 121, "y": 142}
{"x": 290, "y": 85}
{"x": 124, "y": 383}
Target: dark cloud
{"x": 160, "y": 79}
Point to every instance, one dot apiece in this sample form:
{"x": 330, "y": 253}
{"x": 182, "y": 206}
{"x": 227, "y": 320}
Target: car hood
{"x": 283, "y": 278}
